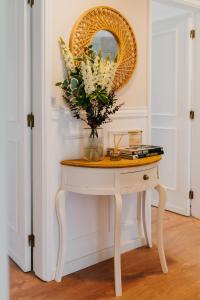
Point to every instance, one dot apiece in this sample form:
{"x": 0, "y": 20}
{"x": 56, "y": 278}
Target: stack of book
{"x": 136, "y": 152}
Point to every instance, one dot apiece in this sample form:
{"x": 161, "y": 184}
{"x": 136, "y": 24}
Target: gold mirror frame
{"x": 107, "y": 18}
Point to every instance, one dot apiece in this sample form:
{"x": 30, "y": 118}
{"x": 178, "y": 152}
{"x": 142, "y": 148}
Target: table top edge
{"x": 108, "y": 164}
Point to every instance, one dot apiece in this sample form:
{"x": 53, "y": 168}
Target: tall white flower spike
{"x": 68, "y": 56}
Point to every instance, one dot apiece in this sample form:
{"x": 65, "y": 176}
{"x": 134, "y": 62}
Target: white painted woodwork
{"x": 60, "y": 210}
{"x": 171, "y": 102}
{"x": 161, "y": 205}
{"x": 187, "y": 4}
{"x": 117, "y": 244}
{"x": 4, "y": 85}
{"x": 195, "y": 161}
{"x": 42, "y": 204}
{"x": 18, "y": 134}
{"x": 146, "y": 225}
{"x": 117, "y": 182}
{"x": 166, "y": 9}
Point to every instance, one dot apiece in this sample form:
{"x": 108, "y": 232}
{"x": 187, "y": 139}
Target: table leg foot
{"x": 60, "y": 210}
{"x": 161, "y": 207}
{"x": 117, "y": 256}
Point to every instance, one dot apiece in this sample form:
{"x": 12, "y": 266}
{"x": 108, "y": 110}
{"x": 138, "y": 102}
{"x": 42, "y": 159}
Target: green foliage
{"x": 98, "y": 106}
{"x": 74, "y": 84}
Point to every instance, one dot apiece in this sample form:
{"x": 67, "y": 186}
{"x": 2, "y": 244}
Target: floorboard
{"x": 142, "y": 276}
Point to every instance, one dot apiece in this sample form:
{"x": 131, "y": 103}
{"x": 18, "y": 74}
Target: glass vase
{"x": 93, "y": 144}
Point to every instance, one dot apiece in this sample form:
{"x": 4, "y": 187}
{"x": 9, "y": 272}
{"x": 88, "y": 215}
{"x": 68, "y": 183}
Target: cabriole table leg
{"x": 139, "y": 215}
{"x": 117, "y": 256}
{"x": 161, "y": 207}
{"x": 60, "y": 210}
{"x": 143, "y": 219}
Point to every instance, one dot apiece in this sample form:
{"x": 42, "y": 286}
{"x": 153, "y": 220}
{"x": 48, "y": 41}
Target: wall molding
{"x": 131, "y": 112}
{"x": 190, "y": 3}
{"x": 174, "y": 32}
{"x": 174, "y": 132}
{"x": 123, "y": 113}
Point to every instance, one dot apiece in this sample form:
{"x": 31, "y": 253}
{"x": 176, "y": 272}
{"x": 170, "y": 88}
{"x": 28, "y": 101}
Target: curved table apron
{"x": 112, "y": 178}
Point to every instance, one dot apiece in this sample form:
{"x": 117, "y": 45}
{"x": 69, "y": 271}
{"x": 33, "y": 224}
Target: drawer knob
{"x": 146, "y": 177}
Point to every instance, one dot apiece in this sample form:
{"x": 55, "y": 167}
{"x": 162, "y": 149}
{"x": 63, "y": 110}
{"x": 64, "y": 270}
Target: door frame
{"x": 41, "y": 54}
{"x": 186, "y": 3}
{"x": 41, "y": 95}
{"x": 195, "y": 172}
{"x": 4, "y": 85}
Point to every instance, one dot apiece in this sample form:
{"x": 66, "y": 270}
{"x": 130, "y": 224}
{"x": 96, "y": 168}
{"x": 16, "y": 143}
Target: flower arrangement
{"x": 88, "y": 87}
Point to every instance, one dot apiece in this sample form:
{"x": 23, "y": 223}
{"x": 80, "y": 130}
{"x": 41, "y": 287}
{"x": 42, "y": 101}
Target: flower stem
{"x": 94, "y": 133}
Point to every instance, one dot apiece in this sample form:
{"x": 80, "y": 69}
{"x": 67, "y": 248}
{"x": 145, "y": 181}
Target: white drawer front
{"x": 88, "y": 181}
{"x": 139, "y": 181}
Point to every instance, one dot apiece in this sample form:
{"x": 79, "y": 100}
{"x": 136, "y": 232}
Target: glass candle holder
{"x": 115, "y": 155}
{"x": 135, "y": 138}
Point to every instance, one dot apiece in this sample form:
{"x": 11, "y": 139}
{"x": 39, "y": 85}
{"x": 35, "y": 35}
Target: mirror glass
{"x": 106, "y": 41}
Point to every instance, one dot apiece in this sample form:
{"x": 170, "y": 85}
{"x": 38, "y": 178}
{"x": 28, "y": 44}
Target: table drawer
{"x": 139, "y": 181}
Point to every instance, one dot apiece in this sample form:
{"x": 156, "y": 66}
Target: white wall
{"x": 89, "y": 219}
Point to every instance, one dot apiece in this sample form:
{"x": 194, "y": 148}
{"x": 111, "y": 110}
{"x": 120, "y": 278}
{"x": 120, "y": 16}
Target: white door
{"x": 195, "y": 169}
{"x": 171, "y": 88}
{"x": 3, "y": 195}
{"x": 19, "y": 135}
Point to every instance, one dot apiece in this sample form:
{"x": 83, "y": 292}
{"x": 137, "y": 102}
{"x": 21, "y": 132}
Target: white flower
{"x": 106, "y": 74}
{"x": 68, "y": 56}
{"x": 109, "y": 76}
{"x": 96, "y": 66}
{"x": 88, "y": 77}
{"x": 99, "y": 73}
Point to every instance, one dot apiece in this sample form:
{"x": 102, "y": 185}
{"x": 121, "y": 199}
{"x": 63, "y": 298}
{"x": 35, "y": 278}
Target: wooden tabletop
{"x": 108, "y": 164}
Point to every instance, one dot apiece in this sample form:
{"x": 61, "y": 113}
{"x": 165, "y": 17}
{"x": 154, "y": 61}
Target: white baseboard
{"x": 16, "y": 260}
{"x": 172, "y": 208}
{"x": 99, "y": 256}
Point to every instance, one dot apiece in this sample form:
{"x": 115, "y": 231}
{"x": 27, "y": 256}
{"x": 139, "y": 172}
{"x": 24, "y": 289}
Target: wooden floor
{"x": 142, "y": 276}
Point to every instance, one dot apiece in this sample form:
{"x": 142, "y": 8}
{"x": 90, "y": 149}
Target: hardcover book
{"x": 136, "y": 152}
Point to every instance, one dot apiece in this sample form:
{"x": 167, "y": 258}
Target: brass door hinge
{"x": 192, "y": 34}
{"x": 30, "y": 120}
{"x": 192, "y": 115}
{"x": 191, "y": 195}
{"x": 31, "y": 2}
{"x": 31, "y": 240}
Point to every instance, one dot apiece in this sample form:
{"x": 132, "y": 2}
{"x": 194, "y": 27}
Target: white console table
{"x": 111, "y": 178}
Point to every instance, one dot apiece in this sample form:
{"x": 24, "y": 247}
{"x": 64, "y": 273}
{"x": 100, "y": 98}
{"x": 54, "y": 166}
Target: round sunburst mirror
{"x": 105, "y": 28}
